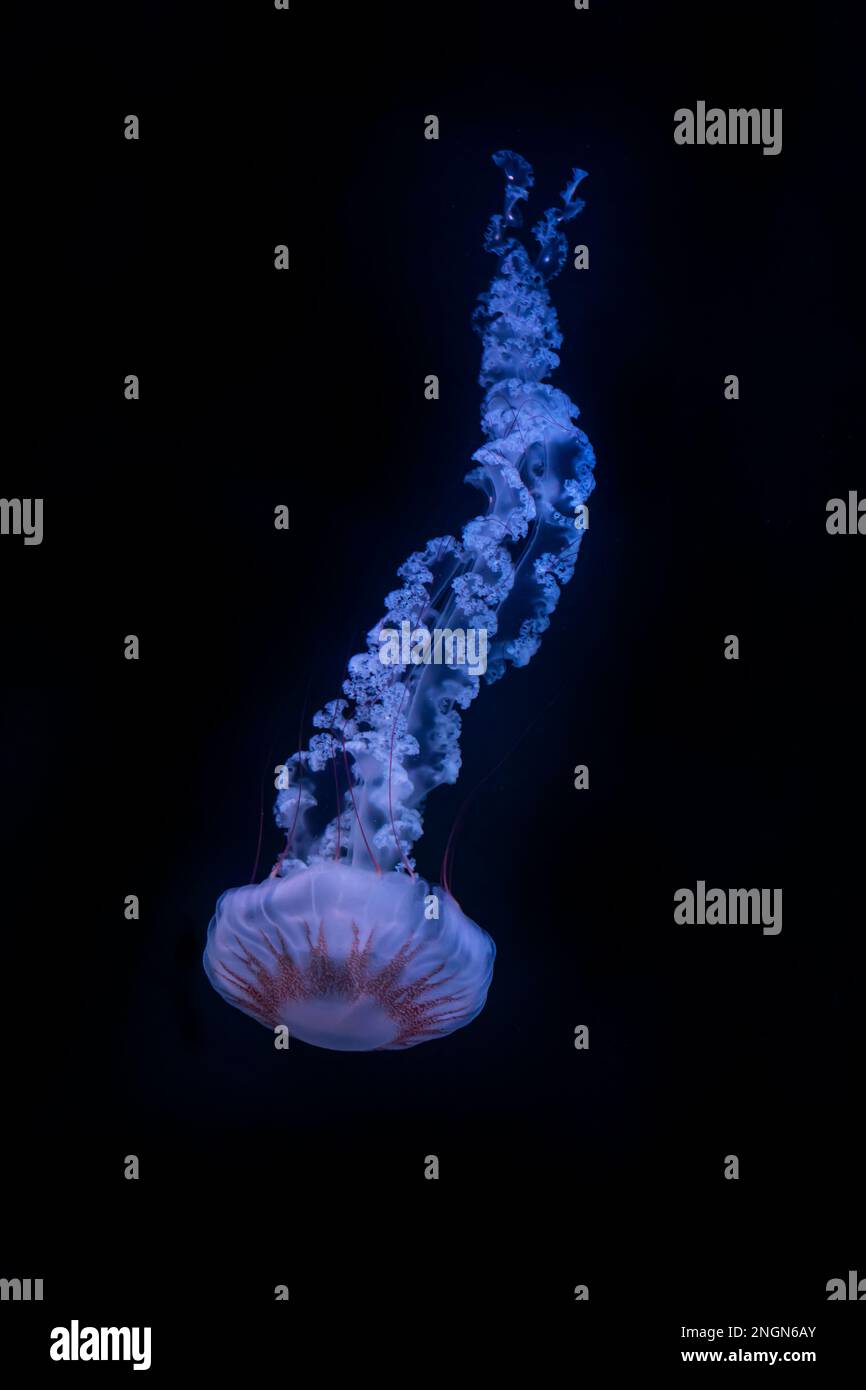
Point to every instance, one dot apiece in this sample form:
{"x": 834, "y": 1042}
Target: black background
{"x": 258, "y": 388}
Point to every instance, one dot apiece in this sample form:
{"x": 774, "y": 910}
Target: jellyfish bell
{"x": 348, "y": 958}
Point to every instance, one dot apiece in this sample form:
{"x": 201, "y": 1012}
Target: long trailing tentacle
{"x": 399, "y": 723}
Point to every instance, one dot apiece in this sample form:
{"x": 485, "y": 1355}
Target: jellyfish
{"x": 344, "y": 943}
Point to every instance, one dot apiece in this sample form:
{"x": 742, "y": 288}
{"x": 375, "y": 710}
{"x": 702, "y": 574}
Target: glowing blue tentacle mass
{"x": 400, "y": 724}
{"x": 344, "y": 943}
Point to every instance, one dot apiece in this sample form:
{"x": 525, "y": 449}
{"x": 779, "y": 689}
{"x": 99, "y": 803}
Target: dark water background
{"x": 156, "y": 257}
